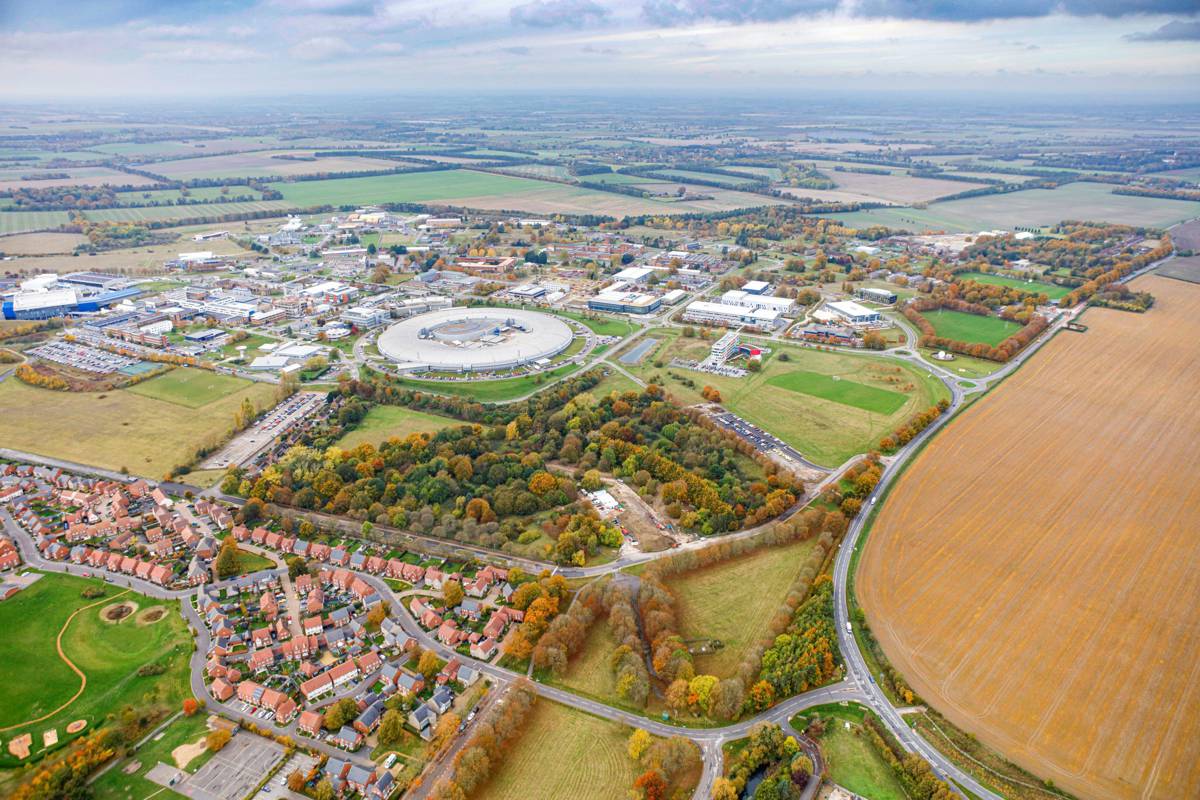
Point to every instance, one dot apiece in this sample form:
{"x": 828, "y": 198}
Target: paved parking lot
{"x": 258, "y": 436}
{"x": 234, "y": 771}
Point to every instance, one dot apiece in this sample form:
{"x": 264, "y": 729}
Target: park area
{"x": 829, "y": 406}
{"x": 734, "y": 600}
{"x": 562, "y": 752}
{"x": 964, "y": 327}
{"x": 1051, "y": 290}
{"x": 1032, "y": 574}
{"x": 104, "y": 642}
{"x": 148, "y": 432}
{"x": 383, "y": 422}
{"x": 851, "y": 760}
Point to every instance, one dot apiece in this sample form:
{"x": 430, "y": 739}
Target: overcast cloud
{"x": 214, "y": 47}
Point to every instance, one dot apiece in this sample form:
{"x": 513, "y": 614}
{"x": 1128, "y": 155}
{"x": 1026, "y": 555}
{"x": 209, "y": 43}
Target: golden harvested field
{"x": 564, "y": 753}
{"x": 261, "y": 164}
{"x": 32, "y": 244}
{"x": 1033, "y": 574}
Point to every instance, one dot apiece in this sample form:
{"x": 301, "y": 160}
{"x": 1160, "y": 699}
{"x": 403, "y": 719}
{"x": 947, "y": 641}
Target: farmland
{"x": 108, "y": 653}
{"x": 384, "y": 422}
{"x": 965, "y": 327}
{"x": 563, "y": 752}
{"x": 1051, "y": 290}
{"x": 808, "y": 411}
{"x": 1089, "y": 592}
{"x": 262, "y": 165}
{"x": 1029, "y": 208}
{"x": 755, "y": 585}
{"x": 119, "y": 428}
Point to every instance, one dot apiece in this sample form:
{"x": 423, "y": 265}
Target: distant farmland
{"x": 1033, "y": 573}
{"x": 261, "y": 165}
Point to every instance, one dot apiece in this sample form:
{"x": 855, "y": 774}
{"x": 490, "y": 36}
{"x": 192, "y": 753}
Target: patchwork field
{"x": 1051, "y": 290}
{"x": 560, "y": 753}
{"x": 966, "y": 327}
{"x": 486, "y": 190}
{"x": 896, "y": 188}
{"x": 121, "y": 428}
{"x": 808, "y": 411}
{"x": 24, "y": 221}
{"x": 137, "y": 260}
{"x": 755, "y": 585}
{"x": 383, "y": 422}
{"x": 1032, "y": 207}
{"x": 80, "y": 176}
{"x": 1033, "y": 573}
{"x": 38, "y": 681}
{"x": 24, "y": 244}
{"x": 262, "y": 164}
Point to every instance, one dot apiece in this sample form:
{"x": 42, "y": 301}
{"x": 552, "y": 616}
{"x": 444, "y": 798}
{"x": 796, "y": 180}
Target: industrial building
{"x": 726, "y": 315}
{"x": 625, "y": 302}
{"x": 46, "y": 303}
{"x": 365, "y": 316}
{"x": 474, "y": 340}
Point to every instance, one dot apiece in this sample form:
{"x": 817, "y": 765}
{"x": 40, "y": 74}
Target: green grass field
{"x": 852, "y": 761}
{"x": 561, "y": 753}
{"x": 1053, "y": 291}
{"x": 189, "y": 387}
{"x": 602, "y": 326}
{"x": 37, "y": 681}
{"x": 965, "y": 327}
{"x": 383, "y": 422}
{"x": 116, "y": 429}
{"x": 831, "y": 387}
{"x": 203, "y": 210}
{"x": 733, "y": 601}
{"x": 964, "y": 366}
{"x": 22, "y": 221}
{"x": 826, "y": 431}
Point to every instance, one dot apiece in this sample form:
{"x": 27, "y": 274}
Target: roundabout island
{"x": 479, "y": 339}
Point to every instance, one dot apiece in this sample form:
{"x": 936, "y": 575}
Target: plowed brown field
{"x": 1036, "y": 572}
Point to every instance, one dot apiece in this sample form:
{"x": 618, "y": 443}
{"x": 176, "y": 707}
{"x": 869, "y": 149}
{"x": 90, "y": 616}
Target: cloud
{"x": 337, "y": 8}
{"x": 681, "y": 12}
{"x": 518, "y": 50}
{"x": 983, "y": 10}
{"x": 207, "y": 53}
{"x": 558, "y": 14}
{"x": 1174, "y": 31}
{"x": 321, "y": 48}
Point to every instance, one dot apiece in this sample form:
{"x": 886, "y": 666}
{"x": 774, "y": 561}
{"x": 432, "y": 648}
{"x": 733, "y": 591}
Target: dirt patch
{"x": 184, "y": 754}
{"x": 151, "y": 616}
{"x": 19, "y": 746}
{"x": 1032, "y": 574}
{"x": 118, "y": 611}
{"x": 131, "y": 767}
{"x": 77, "y": 726}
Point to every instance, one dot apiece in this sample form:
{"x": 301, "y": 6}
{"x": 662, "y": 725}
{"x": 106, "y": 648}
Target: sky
{"x": 215, "y": 48}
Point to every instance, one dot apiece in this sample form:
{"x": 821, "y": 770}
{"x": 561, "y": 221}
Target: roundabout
{"x": 478, "y": 339}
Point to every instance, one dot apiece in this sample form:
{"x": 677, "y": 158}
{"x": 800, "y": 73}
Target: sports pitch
{"x": 965, "y": 327}
{"x": 1051, "y": 290}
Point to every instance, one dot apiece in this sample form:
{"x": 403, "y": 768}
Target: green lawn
{"x": 37, "y": 681}
{"x": 755, "y": 585}
{"x": 964, "y": 366}
{"x": 383, "y": 422}
{"x": 602, "y": 326}
{"x": 831, "y": 387}
{"x": 965, "y": 327}
{"x": 252, "y": 342}
{"x": 1053, "y": 291}
{"x": 252, "y": 562}
{"x": 825, "y": 430}
{"x": 189, "y": 387}
{"x": 851, "y": 759}
{"x": 122, "y": 428}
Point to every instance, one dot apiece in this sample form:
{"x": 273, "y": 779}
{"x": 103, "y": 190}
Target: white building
{"x": 633, "y": 274}
{"x": 852, "y": 313}
{"x": 739, "y": 297}
{"x": 365, "y": 317}
{"x": 729, "y": 316}
{"x": 674, "y": 296}
{"x": 723, "y": 348}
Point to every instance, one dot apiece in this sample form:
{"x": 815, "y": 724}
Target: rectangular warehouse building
{"x": 729, "y": 316}
{"x": 852, "y": 313}
{"x": 875, "y": 295}
{"x": 625, "y": 302}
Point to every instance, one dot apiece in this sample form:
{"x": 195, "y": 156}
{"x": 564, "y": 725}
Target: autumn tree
{"x": 228, "y": 562}
{"x": 452, "y": 593}
{"x": 639, "y": 741}
{"x": 429, "y": 664}
{"x": 190, "y": 707}
{"x": 217, "y": 739}
{"x": 295, "y": 781}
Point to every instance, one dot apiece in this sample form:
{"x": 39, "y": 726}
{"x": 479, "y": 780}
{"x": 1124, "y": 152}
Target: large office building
{"x": 727, "y": 315}
{"x": 738, "y": 297}
{"x": 882, "y": 296}
{"x": 852, "y": 313}
{"x": 47, "y": 303}
{"x": 624, "y": 302}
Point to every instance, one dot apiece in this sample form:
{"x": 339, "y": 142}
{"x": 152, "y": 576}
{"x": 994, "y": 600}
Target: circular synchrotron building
{"x": 474, "y": 340}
